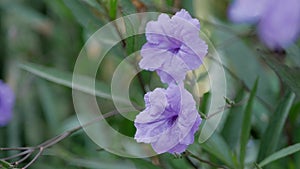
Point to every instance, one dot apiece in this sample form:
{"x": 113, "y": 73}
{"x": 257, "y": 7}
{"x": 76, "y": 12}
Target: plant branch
{"x": 241, "y": 82}
{"x": 188, "y": 153}
{"x": 28, "y": 151}
{"x": 191, "y": 162}
{"x": 17, "y": 155}
{"x": 22, "y": 159}
{"x": 34, "y": 159}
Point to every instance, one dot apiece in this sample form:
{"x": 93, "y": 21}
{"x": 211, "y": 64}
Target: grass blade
{"x": 257, "y": 166}
{"x": 50, "y": 107}
{"x": 280, "y": 154}
{"x": 275, "y": 126}
{"x": 234, "y": 122}
{"x": 217, "y": 146}
{"x": 5, "y": 164}
{"x": 246, "y": 126}
{"x": 113, "y": 6}
{"x": 290, "y": 76}
{"x": 65, "y": 79}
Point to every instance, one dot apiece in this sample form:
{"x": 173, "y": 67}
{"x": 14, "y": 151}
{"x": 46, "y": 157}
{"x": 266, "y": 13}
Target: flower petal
{"x": 184, "y": 14}
{"x": 173, "y": 46}
{"x": 172, "y": 70}
{"x": 185, "y": 126}
{"x": 155, "y": 119}
{"x": 169, "y": 68}
{"x": 247, "y": 10}
{"x": 280, "y": 25}
{"x": 154, "y": 31}
{"x": 189, "y": 139}
{"x": 193, "y": 52}
{"x": 152, "y": 57}
{"x": 156, "y": 103}
{"x": 179, "y": 148}
{"x": 6, "y": 103}
{"x": 150, "y": 132}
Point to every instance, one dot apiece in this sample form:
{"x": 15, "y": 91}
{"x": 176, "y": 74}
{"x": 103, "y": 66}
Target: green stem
{"x": 190, "y": 154}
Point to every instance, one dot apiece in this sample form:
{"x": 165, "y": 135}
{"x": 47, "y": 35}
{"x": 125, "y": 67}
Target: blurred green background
{"x": 51, "y": 33}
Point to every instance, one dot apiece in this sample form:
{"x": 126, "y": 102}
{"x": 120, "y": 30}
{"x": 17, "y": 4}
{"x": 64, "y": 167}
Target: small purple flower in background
{"x": 173, "y": 46}
{"x": 278, "y": 20}
{"x": 6, "y": 103}
{"x": 169, "y": 121}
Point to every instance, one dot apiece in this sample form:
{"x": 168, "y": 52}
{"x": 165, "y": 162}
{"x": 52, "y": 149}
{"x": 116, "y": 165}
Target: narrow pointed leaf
{"x": 5, "y": 164}
{"x": 246, "y": 126}
{"x": 232, "y": 127}
{"x": 257, "y": 166}
{"x": 113, "y": 6}
{"x": 65, "y": 79}
{"x": 272, "y": 134}
{"x": 280, "y": 154}
{"x": 290, "y": 76}
{"x": 218, "y": 147}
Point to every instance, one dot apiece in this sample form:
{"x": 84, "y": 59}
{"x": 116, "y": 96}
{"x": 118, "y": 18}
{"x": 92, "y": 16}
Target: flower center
{"x": 173, "y": 119}
{"x": 175, "y": 50}
{"x": 174, "y": 45}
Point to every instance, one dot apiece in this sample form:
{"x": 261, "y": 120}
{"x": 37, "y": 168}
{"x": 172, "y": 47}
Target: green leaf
{"x": 290, "y": 76}
{"x": 218, "y": 147}
{"x": 276, "y": 123}
{"x": 293, "y": 53}
{"x": 246, "y": 126}
{"x": 189, "y": 6}
{"x": 237, "y": 65}
{"x": 172, "y": 161}
{"x": 134, "y": 40}
{"x": 234, "y": 122}
{"x": 33, "y": 127}
{"x": 83, "y": 14}
{"x": 170, "y": 3}
{"x": 141, "y": 163}
{"x": 113, "y": 6}
{"x": 5, "y": 164}
{"x": 49, "y": 104}
{"x": 26, "y": 14}
{"x": 130, "y": 41}
{"x": 65, "y": 79}
{"x": 257, "y": 166}
{"x": 127, "y": 7}
{"x": 280, "y": 154}
{"x": 94, "y": 3}
{"x": 205, "y": 102}
{"x": 96, "y": 164}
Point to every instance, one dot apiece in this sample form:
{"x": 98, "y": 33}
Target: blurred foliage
{"x": 51, "y": 33}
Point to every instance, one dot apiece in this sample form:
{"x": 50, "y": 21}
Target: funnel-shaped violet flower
{"x": 6, "y": 103}
{"x": 173, "y": 46}
{"x": 169, "y": 121}
{"x": 278, "y": 20}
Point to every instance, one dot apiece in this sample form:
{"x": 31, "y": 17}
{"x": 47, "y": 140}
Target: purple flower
{"x": 278, "y": 20}
{"x": 169, "y": 121}
{"x": 6, "y": 103}
{"x": 173, "y": 46}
